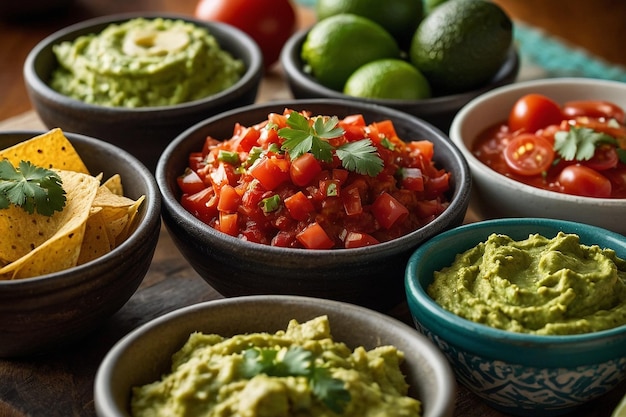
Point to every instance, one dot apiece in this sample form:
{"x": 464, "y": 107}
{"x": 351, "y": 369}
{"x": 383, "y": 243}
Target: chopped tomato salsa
{"x": 577, "y": 148}
{"x": 320, "y": 182}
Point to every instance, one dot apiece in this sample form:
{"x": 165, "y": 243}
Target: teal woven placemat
{"x": 543, "y": 56}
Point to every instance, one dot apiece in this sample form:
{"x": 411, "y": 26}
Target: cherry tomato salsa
{"x": 576, "y": 148}
{"x": 321, "y": 182}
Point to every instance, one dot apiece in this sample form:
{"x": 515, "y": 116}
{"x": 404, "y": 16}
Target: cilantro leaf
{"x": 361, "y": 157}
{"x": 579, "y": 143}
{"x": 33, "y": 188}
{"x": 296, "y": 361}
{"x": 301, "y": 137}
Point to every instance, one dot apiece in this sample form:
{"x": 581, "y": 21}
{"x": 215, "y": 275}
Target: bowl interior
{"x": 145, "y": 354}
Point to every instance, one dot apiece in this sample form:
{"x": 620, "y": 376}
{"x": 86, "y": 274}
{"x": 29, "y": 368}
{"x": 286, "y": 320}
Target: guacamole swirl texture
{"x": 208, "y": 379}
{"x": 144, "y": 63}
{"x": 537, "y": 285}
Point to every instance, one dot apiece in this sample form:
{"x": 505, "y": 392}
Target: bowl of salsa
{"x": 551, "y": 148}
{"x": 310, "y": 197}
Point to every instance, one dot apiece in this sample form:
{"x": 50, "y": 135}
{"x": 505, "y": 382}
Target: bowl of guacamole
{"x": 530, "y": 312}
{"x": 274, "y": 356}
{"x": 137, "y": 80}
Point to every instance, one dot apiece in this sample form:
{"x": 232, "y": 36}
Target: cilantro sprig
{"x": 33, "y": 188}
{"x": 580, "y": 143}
{"x": 296, "y": 361}
{"x": 301, "y": 137}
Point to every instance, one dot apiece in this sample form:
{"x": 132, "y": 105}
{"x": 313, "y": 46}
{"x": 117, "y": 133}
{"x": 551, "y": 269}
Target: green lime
{"x": 620, "y": 410}
{"x": 388, "y": 79}
{"x": 429, "y": 5}
{"x": 398, "y": 17}
{"x": 461, "y": 44}
{"x": 336, "y": 46}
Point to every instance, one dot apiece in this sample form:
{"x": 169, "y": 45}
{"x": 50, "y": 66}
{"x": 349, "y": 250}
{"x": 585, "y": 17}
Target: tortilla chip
{"x": 61, "y": 250}
{"x": 96, "y": 239}
{"x": 95, "y": 219}
{"x": 49, "y": 150}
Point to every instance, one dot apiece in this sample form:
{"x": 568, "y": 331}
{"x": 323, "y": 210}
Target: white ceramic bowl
{"x": 145, "y": 354}
{"x": 496, "y": 195}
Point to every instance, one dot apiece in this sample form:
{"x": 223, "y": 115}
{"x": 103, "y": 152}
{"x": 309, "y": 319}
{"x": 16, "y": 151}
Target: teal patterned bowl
{"x": 519, "y": 374}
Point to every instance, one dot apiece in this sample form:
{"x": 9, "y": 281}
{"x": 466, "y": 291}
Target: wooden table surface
{"x": 61, "y": 383}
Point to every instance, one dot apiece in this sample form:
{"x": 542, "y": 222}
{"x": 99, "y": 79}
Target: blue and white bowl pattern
{"x": 526, "y": 391}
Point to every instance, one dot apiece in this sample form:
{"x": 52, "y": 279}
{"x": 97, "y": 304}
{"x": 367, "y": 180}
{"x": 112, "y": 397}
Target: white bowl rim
{"x": 503, "y": 180}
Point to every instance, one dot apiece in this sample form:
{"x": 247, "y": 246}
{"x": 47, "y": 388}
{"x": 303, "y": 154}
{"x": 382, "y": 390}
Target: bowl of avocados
{"x": 471, "y": 42}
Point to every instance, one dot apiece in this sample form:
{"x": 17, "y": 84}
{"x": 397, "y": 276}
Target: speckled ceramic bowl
{"x": 40, "y": 314}
{"x": 145, "y": 131}
{"x": 370, "y": 276}
{"x": 144, "y": 355}
{"x": 437, "y": 110}
{"x": 496, "y": 195}
{"x": 520, "y": 374}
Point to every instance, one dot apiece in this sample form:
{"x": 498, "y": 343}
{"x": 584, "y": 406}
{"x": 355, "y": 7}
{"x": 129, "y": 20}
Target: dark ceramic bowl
{"x": 519, "y": 374}
{"x": 371, "y": 276}
{"x": 144, "y": 132}
{"x": 43, "y": 313}
{"x": 439, "y": 111}
{"x": 145, "y": 354}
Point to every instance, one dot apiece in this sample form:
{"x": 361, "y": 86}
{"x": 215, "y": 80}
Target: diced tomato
{"x": 246, "y": 139}
{"x": 314, "y": 237}
{"x": 388, "y": 211}
{"x": 190, "y": 182}
{"x": 385, "y": 129}
{"x": 358, "y": 240}
{"x": 412, "y": 179}
{"x": 304, "y": 169}
{"x": 228, "y": 223}
{"x": 340, "y": 175}
{"x": 299, "y": 206}
{"x": 438, "y": 184}
{"x": 425, "y": 148}
{"x": 229, "y": 199}
{"x": 202, "y": 204}
{"x": 271, "y": 172}
{"x": 351, "y": 199}
{"x": 196, "y": 160}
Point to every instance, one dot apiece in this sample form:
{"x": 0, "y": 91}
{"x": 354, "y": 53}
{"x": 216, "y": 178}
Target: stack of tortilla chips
{"x": 96, "y": 218}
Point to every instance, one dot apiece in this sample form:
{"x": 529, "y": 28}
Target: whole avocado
{"x": 461, "y": 44}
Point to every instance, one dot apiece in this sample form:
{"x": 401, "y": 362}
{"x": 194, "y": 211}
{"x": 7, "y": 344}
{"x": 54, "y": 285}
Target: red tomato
{"x": 388, "y": 210}
{"x": 299, "y": 206}
{"x": 269, "y": 22}
{"x": 190, "y": 182}
{"x": 584, "y": 181}
{"x": 594, "y": 108}
{"x": 314, "y": 237}
{"x": 533, "y": 112}
{"x": 528, "y": 154}
{"x": 358, "y": 240}
{"x": 304, "y": 169}
{"x": 605, "y": 157}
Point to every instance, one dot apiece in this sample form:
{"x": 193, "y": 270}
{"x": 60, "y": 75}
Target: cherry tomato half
{"x": 593, "y": 108}
{"x": 269, "y": 22}
{"x": 605, "y": 157}
{"x": 529, "y": 154}
{"x": 584, "y": 181}
{"x": 533, "y": 112}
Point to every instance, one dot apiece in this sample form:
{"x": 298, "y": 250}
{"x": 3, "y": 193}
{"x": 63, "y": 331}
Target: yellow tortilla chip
{"x": 62, "y": 249}
{"x": 96, "y": 218}
{"x": 96, "y": 239}
{"x": 49, "y": 150}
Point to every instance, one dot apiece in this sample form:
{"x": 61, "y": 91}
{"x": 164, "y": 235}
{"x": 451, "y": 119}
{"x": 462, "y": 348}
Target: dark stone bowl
{"x": 144, "y": 132}
{"x": 371, "y": 276}
{"x": 438, "y": 110}
{"x": 44, "y": 313}
{"x": 145, "y": 354}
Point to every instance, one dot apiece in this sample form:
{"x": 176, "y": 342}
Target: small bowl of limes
{"x": 440, "y": 60}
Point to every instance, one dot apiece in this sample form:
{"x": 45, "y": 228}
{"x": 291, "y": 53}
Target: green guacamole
{"x": 538, "y": 285}
{"x": 144, "y": 62}
{"x": 215, "y": 376}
